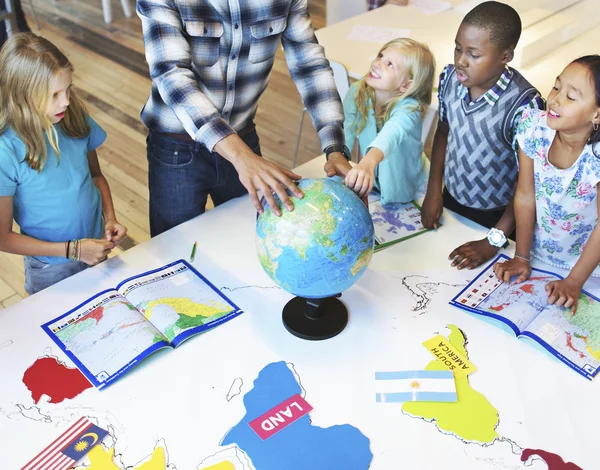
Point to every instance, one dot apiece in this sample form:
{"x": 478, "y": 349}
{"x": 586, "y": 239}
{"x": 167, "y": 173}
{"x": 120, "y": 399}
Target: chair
{"x": 342, "y": 83}
{"x": 8, "y": 16}
{"x": 428, "y": 121}
{"x": 107, "y": 10}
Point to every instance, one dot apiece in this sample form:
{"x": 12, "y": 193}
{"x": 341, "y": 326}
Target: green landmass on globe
{"x": 323, "y": 246}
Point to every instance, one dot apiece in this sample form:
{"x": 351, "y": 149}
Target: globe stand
{"x": 315, "y": 319}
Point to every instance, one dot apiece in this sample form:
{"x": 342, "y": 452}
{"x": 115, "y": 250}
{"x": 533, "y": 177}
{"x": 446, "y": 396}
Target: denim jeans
{"x": 39, "y": 275}
{"x": 182, "y": 174}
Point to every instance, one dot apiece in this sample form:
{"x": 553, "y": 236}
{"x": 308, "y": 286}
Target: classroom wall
{"x": 338, "y": 10}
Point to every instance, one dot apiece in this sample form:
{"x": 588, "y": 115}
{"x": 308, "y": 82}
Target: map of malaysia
{"x": 177, "y": 303}
{"x": 108, "y": 337}
{"x": 341, "y": 446}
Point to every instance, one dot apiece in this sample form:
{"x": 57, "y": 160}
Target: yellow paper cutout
{"x": 101, "y": 459}
{"x": 156, "y": 462}
{"x": 472, "y": 418}
{"x": 225, "y": 465}
{"x": 449, "y": 356}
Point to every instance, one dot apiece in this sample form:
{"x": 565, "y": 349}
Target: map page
{"x": 573, "y": 339}
{"x": 178, "y": 301}
{"x": 105, "y": 336}
{"x": 114, "y": 330}
{"x": 394, "y": 223}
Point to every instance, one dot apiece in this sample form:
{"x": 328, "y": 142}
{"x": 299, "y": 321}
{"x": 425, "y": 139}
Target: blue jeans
{"x": 182, "y": 174}
{"x": 39, "y": 275}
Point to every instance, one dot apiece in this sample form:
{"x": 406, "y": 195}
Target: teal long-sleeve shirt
{"x": 397, "y": 177}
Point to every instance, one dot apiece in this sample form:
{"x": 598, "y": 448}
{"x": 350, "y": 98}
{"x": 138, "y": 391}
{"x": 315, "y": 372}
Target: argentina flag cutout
{"x": 415, "y": 385}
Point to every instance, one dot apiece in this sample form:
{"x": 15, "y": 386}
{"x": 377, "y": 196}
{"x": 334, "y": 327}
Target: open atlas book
{"x": 394, "y": 223}
{"x": 115, "y": 329}
{"x": 523, "y": 309}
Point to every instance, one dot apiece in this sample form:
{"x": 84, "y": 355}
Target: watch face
{"x": 496, "y": 237}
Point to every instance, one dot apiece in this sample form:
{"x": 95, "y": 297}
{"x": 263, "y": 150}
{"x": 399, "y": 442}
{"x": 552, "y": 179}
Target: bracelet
{"x": 524, "y": 258}
{"x": 79, "y": 250}
{"x": 67, "y": 243}
{"x": 74, "y": 250}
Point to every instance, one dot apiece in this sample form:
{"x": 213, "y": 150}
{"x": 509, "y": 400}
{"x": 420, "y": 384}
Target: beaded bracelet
{"x": 524, "y": 258}
{"x": 74, "y": 252}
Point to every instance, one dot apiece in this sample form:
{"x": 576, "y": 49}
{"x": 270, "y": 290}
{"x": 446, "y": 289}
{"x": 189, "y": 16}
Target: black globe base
{"x": 315, "y": 319}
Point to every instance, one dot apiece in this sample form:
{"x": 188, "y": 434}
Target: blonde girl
{"x": 385, "y": 111}
{"x": 50, "y": 178}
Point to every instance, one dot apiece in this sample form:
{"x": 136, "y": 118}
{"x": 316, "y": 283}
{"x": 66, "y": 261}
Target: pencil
{"x": 193, "y": 252}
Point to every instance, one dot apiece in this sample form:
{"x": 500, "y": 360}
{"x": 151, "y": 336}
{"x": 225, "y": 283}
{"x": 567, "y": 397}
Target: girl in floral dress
{"x": 556, "y": 201}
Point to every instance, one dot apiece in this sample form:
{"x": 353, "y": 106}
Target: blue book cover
{"x": 523, "y": 309}
{"x": 117, "y": 328}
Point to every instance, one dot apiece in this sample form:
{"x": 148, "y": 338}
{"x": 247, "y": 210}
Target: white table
{"x": 178, "y": 399}
{"x": 437, "y": 31}
{"x": 556, "y": 24}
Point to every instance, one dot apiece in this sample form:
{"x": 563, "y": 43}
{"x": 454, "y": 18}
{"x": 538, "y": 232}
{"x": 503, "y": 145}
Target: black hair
{"x": 501, "y": 20}
{"x": 592, "y": 63}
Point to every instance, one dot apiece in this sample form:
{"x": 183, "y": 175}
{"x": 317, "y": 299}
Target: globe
{"x": 323, "y": 246}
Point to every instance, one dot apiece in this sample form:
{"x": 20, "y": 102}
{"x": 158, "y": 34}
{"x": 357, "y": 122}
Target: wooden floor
{"x": 112, "y": 77}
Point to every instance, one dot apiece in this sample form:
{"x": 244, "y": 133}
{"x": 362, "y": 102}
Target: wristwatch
{"x": 497, "y": 238}
{"x": 338, "y": 148}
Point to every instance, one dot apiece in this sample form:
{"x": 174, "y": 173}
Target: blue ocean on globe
{"x": 323, "y": 246}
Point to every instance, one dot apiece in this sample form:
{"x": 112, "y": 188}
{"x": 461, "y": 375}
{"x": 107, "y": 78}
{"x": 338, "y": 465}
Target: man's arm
{"x": 313, "y": 76}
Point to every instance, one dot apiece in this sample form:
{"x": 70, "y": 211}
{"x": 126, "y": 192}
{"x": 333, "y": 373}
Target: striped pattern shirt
{"x": 491, "y": 97}
{"x": 210, "y": 61}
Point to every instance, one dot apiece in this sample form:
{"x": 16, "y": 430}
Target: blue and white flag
{"x": 415, "y": 385}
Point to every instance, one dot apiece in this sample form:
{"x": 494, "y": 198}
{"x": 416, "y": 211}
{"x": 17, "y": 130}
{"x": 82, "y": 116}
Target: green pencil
{"x": 193, "y": 252}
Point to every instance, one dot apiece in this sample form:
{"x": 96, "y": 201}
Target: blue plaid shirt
{"x": 491, "y": 96}
{"x": 210, "y": 61}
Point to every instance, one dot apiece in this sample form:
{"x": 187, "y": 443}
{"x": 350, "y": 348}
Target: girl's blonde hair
{"x": 420, "y": 66}
{"x": 29, "y": 65}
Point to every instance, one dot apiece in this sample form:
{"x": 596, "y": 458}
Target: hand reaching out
{"x": 472, "y": 254}
{"x": 257, "y": 174}
{"x": 431, "y": 210}
{"x": 564, "y": 293}
{"x": 360, "y": 179}
{"x": 514, "y": 267}
{"x": 337, "y": 165}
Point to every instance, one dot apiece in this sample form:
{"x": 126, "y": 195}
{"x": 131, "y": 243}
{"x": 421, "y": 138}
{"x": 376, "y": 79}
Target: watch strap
{"x": 338, "y": 148}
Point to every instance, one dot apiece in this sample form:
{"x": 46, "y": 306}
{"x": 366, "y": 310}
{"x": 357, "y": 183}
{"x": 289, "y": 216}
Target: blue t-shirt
{"x": 61, "y": 202}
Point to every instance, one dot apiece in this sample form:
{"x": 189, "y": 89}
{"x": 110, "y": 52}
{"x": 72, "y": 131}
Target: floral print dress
{"x": 566, "y": 205}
